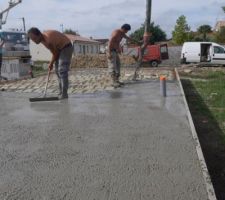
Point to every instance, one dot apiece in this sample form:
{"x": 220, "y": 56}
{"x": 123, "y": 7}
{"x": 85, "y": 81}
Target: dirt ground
{"x": 88, "y": 61}
{"x": 198, "y": 70}
{"x": 210, "y": 134}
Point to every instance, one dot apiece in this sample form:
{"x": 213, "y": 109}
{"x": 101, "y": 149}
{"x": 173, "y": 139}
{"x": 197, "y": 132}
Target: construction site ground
{"x": 83, "y": 80}
{"x": 101, "y": 143}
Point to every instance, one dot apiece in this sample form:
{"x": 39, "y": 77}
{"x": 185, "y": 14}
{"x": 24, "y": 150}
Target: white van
{"x": 196, "y": 52}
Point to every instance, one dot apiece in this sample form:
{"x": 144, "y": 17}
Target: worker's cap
{"x": 126, "y": 27}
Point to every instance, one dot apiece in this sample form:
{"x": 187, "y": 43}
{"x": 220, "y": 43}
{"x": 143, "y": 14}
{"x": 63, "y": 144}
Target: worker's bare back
{"x": 116, "y": 37}
{"x": 54, "y": 40}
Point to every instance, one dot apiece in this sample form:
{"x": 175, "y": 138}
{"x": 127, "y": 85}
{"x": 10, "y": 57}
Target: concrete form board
{"x": 130, "y": 143}
{"x": 208, "y": 182}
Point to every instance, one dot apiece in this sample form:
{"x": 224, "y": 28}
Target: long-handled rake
{"x": 44, "y": 98}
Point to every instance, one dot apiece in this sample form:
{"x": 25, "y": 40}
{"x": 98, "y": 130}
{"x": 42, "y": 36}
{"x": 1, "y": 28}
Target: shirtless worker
{"x": 113, "y": 53}
{"x": 61, "y": 49}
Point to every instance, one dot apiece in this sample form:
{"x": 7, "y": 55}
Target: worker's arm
{"x": 55, "y": 56}
{"x": 127, "y": 37}
{"x": 133, "y": 40}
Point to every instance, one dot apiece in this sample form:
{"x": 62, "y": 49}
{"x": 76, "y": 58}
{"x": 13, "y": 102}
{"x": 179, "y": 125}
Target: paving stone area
{"x": 83, "y": 80}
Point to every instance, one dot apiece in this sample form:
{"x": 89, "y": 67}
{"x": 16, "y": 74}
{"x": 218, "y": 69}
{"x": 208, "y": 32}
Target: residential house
{"x": 81, "y": 46}
{"x": 103, "y": 45}
{"x": 219, "y": 24}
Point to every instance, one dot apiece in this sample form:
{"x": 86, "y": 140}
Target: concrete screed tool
{"x": 44, "y": 98}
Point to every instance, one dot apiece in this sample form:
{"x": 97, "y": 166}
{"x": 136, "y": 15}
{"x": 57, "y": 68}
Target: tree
{"x": 223, "y": 8}
{"x": 220, "y": 35}
{"x": 156, "y": 31}
{"x": 70, "y": 31}
{"x": 204, "y": 29}
{"x": 181, "y": 30}
{"x": 191, "y": 36}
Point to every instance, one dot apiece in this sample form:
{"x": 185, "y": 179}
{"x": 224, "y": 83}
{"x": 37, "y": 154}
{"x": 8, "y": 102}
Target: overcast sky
{"x": 97, "y": 18}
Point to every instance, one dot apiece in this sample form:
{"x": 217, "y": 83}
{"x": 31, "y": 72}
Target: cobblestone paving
{"x": 82, "y": 80}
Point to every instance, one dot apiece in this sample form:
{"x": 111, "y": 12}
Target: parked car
{"x": 197, "y": 52}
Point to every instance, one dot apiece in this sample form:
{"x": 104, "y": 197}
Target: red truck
{"x": 154, "y": 54}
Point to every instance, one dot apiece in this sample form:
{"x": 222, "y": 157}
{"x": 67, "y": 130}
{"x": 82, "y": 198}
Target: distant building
{"x": 219, "y": 24}
{"x": 103, "y": 44}
{"x": 81, "y": 46}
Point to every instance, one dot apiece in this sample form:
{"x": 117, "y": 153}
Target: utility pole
{"x": 24, "y": 26}
{"x": 146, "y": 37}
{"x": 61, "y": 25}
{"x": 6, "y": 11}
{"x": 147, "y": 33}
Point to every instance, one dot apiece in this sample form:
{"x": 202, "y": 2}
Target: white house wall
{"x": 85, "y": 48}
{"x": 39, "y": 52}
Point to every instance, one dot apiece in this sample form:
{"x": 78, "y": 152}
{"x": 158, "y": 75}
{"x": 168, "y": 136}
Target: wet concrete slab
{"x": 126, "y": 144}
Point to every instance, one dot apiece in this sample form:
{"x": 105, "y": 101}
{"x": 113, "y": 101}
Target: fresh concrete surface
{"x": 126, "y": 144}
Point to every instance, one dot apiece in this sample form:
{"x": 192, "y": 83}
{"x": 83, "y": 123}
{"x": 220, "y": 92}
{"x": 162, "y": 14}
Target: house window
{"x": 80, "y": 49}
{"x": 98, "y": 48}
{"x": 84, "y": 49}
{"x": 87, "y": 49}
{"x": 91, "y": 49}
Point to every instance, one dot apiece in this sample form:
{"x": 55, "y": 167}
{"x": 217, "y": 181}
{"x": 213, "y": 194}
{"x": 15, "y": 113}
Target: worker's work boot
{"x": 60, "y": 89}
{"x": 119, "y": 82}
{"x": 114, "y": 84}
{"x": 63, "y": 96}
{"x": 64, "y": 88}
{"x": 136, "y": 76}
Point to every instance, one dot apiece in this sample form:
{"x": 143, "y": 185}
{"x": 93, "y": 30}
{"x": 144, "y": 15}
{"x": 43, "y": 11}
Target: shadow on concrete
{"x": 210, "y": 136}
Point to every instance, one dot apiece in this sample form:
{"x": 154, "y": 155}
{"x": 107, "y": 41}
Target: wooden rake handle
{"x": 46, "y": 86}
